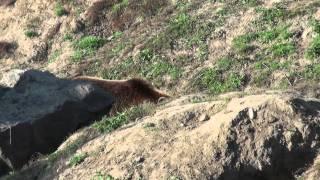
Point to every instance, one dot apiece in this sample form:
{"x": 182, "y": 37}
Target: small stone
{"x": 251, "y": 113}
{"x": 139, "y": 159}
{"x": 204, "y": 117}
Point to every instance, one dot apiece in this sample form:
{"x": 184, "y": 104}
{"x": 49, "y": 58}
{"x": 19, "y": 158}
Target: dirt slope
{"x": 265, "y": 136}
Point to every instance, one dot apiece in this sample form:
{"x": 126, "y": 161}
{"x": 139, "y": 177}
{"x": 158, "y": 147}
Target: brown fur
{"x": 7, "y": 2}
{"x": 127, "y": 92}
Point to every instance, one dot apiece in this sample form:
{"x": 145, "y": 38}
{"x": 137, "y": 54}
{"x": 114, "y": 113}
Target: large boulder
{"x": 40, "y": 111}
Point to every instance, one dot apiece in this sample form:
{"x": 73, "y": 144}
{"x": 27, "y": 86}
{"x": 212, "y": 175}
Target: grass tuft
{"x": 85, "y": 46}
{"x": 109, "y": 124}
{"x": 59, "y": 10}
{"x": 31, "y": 33}
{"x": 77, "y": 159}
{"x": 313, "y": 52}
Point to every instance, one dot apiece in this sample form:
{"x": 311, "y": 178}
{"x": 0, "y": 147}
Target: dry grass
{"x": 96, "y": 9}
{"x": 5, "y": 48}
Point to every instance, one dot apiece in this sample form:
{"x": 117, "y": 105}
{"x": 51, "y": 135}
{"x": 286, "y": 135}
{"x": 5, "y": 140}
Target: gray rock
{"x": 41, "y": 111}
{"x": 11, "y": 78}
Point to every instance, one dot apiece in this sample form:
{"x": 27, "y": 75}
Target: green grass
{"x": 224, "y": 64}
{"x": 53, "y": 56}
{"x": 312, "y": 72}
{"x": 77, "y": 159}
{"x": 102, "y": 176}
{"x": 153, "y": 66}
{"x": 272, "y": 65}
{"x": 213, "y": 80}
{"x": 117, "y": 49}
{"x": 278, "y": 33}
{"x": 149, "y": 126}
{"x": 70, "y": 149}
{"x": 180, "y": 24}
{"x": 109, "y": 124}
{"x": 67, "y": 37}
{"x": 31, "y": 33}
{"x": 59, "y": 10}
{"x": 123, "y": 69}
{"x": 120, "y": 6}
{"x": 89, "y": 42}
{"x": 313, "y": 51}
{"x": 191, "y": 32}
{"x": 148, "y": 65}
{"x": 282, "y": 49}
{"x": 272, "y": 15}
{"x": 250, "y": 3}
{"x": 262, "y": 78}
{"x": 315, "y": 24}
{"x": 242, "y": 42}
{"x": 116, "y": 35}
{"x": 86, "y": 46}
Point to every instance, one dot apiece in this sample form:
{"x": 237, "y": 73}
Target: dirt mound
{"x": 267, "y": 136}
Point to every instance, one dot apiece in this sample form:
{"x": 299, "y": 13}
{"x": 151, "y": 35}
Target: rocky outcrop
{"x": 40, "y": 111}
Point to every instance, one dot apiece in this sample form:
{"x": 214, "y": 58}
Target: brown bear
{"x": 126, "y": 92}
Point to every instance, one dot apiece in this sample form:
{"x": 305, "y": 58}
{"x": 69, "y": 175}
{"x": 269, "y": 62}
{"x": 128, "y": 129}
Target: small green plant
{"x": 153, "y": 66}
{"x": 149, "y": 125}
{"x": 120, "y": 70}
{"x": 160, "y": 68}
{"x": 102, "y": 176}
{"x": 77, "y": 159}
{"x": 85, "y": 46}
{"x": 261, "y": 79}
{"x": 272, "y": 65}
{"x": 67, "y": 37}
{"x": 146, "y": 55}
{"x": 283, "y": 49}
{"x": 224, "y": 64}
{"x": 250, "y": 3}
{"x": 117, "y": 34}
{"x": 53, "y": 56}
{"x": 180, "y": 24}
{"x": 272, "y": 15}
{"x": 216, "y": 82}
{"x": 315, "y": 25}
{"x": 108, "y": 124}
{"x": 313, "y": 52}
{"x": 89, "y": 42}
{"x": 242, "y": 43}
{"x": 70, "y": 148}
{"x": 312, "y": 72}
{"x": 117, "y": 49}
{"x": 31, "y": 33}
{"x": 59, "y": 10}
{"x": 174, "y": 178}
{"x": 280, "y": 33}
{"x": 120, "y": 6}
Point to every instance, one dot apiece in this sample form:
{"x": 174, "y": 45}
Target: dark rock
{"x": 40, "y": 111}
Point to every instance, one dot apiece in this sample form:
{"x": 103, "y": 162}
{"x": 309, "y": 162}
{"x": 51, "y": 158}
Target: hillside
{"x": 265, "y": 52}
